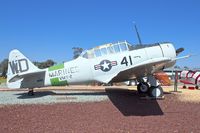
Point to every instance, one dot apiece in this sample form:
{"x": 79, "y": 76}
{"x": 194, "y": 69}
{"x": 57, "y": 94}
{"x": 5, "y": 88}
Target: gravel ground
{"x": 102, "y": 110}
{"x": 191, "y": 96}
{"x": 122, "y": 112}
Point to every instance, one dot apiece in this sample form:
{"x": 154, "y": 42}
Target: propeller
{"x": 178, "y": 51}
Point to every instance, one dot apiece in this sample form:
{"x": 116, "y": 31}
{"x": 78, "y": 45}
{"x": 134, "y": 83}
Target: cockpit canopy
{"x": 112, "y": 48}
{"x": 106, "y": 49}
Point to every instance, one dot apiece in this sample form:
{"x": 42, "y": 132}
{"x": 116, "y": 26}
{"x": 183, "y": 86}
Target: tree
{"x": 4, "y": 67}
{"x": 49, "y": 63}
{"x": 177, "y": 67}
{"x": 44, "y": 64}
{"x": 186, "y": 68}
{"x": 77, "y": 52}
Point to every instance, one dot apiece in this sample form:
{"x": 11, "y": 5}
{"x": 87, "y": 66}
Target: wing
{"x": 139, "y": 70}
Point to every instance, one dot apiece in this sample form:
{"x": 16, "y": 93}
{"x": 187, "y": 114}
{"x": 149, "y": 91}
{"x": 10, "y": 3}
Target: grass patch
{"x": 2, "y": 80}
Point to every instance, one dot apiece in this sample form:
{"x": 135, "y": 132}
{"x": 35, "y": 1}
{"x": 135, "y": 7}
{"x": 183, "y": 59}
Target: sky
{"x": 49, "y": 29}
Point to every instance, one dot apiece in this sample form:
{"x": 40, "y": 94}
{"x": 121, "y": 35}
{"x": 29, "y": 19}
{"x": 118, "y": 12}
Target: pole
{"x": 176, "y": 81}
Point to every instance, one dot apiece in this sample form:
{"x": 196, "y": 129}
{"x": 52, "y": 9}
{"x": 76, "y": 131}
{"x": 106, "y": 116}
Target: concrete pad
{"x": 50, "y": 97}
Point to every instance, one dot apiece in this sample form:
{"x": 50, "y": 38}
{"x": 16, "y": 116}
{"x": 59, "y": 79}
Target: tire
{"x": 142, "y": 88}
{"x": 184, "y": 87}
{"x": 156, "y": 91}
{"x": 196, "y": 87}
{"x": 30, "y": 93}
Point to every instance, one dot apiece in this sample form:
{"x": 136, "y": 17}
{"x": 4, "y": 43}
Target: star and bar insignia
{"x": 105, "y": 65}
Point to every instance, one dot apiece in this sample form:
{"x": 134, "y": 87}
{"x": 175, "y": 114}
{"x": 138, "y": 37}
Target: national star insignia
{"x": 105, "y": 65}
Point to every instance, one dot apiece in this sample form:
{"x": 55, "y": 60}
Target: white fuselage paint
{"x": 84, "y": 69}
{"x": 117, "y": 66}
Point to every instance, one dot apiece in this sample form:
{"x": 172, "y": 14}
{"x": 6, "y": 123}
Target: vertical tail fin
{"x": 18, "y": 64}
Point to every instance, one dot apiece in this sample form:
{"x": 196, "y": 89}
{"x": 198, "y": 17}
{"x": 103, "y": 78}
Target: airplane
{"x": 190, "y": 77}
{"x": 108, "y": 63}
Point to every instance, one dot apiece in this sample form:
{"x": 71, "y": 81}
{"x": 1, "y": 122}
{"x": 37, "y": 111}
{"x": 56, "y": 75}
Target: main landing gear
{"x": 150, "y": 87}
{"x": 30, "y": 92}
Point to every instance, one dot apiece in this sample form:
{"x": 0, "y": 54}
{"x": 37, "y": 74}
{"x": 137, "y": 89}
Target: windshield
{"x": 106, "y": 49}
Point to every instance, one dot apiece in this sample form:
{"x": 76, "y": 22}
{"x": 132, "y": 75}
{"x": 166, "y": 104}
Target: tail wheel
{"x": 30, "y": 92}
{"x": 156, "y": 91}
{"x": 142, "y": 88}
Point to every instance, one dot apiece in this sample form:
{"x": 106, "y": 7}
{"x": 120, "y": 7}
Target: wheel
{"x": 30, "y": 93}
{"x": 142, "y": 88}
{"x": 196, "y": 87}
{"x": 184, "y": 87}
{"x": 156, "y": 91}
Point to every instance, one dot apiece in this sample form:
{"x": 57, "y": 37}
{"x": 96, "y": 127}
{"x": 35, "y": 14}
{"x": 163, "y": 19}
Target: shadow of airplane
{"x": 39, "y": 94}
{"x": 128, "y": 102}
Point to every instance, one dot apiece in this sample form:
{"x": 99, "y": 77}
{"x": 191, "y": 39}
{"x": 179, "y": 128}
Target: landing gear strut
{"x": 155, "y": 90}
{"x": 30, "y": 92}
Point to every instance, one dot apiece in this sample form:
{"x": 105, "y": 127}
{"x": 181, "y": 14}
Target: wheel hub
{"x": 144, "y": 88}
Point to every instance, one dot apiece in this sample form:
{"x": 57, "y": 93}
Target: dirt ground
{"x": 123, "y": 112}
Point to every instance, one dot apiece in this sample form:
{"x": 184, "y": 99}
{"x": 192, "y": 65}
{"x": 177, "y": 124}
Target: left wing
{"x": 146, "y": 67}
{"x": 182, "y": 57}
{"x": 134, "y": 71}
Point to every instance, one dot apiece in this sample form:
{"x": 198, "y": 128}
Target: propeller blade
{"x": 178, "y": 51}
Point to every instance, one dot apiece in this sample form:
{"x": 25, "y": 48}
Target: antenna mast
{"x": 138, "y": 35}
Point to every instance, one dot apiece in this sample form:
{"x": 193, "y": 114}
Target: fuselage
{"x": 106, "y": 63}
{"x": 102, "y": 66}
